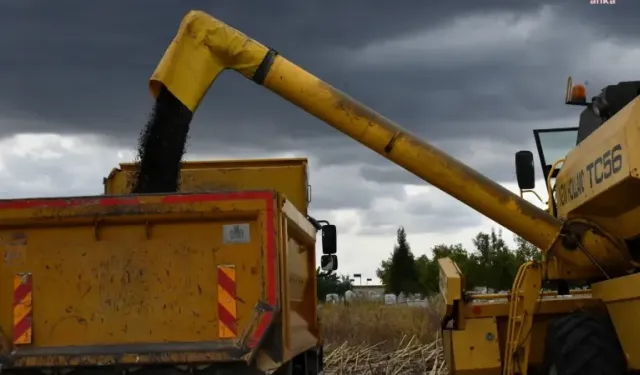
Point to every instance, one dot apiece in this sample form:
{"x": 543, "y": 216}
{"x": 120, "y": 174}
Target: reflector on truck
{"x": 227, "y": 308}
{"x": 22, "y": 296}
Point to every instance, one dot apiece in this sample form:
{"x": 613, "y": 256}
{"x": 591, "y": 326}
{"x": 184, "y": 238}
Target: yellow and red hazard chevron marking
{"x": 227, "y": 306}
{"x": 22, "y": 330}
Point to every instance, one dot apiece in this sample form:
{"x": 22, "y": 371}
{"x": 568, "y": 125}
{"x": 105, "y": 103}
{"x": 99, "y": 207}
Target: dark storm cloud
{"x": 84, "y": 65}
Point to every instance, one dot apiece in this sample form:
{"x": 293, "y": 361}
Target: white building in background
{"x": 376, "y": 293}
{"x": 332, "y": 298}
{"x": 390, "y": 299}
{"x": 349, "y": 296}
{"x": 369, "y": 292}
{"x": 402, "y": 298}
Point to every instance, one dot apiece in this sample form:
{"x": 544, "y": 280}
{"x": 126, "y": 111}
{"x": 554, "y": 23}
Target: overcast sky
{"x": 473, "y": 77}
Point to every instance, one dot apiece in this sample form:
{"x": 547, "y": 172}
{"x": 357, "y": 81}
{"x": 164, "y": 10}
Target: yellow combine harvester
{"x": 590, "y": 176}
{"x": 589, "y": 234}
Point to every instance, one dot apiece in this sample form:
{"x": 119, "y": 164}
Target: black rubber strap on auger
{"x": 265, "y": 66}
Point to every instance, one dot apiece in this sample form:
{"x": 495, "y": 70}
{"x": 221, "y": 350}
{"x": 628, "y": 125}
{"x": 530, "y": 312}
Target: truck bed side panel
{"x": 299, "y": 270}
{"x": 288, "y": 177}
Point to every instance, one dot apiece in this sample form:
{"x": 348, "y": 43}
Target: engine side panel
{"x": 622, "y": 299}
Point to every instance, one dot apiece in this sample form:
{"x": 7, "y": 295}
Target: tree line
{"x": 490, "y": 263}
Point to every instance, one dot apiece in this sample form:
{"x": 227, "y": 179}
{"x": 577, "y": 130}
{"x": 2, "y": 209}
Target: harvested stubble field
{"x": 368, "y": 338}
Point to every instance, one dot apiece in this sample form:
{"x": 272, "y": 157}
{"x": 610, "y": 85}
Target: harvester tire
{"x": 583, "y": 343}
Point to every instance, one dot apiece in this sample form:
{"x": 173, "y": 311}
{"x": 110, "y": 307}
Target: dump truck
{"x": 217, "y": 278}
{"x": 586, "y": 234}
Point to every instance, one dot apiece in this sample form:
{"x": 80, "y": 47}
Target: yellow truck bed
{"x": 286, "y": 175}
{"x": 149, "y": 279}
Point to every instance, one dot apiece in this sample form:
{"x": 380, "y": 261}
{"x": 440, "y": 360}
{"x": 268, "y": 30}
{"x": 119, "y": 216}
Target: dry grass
{"x": 367, "y": 338}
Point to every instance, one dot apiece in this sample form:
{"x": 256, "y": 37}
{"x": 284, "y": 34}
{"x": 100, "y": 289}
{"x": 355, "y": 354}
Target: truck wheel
{"x": 583, "y": 343}
{"x": 308, "y": 363}
{"x": 285, "y": 369}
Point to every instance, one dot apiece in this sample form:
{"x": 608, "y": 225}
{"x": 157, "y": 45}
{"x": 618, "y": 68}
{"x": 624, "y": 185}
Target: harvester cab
{"x": 554, "y": 144}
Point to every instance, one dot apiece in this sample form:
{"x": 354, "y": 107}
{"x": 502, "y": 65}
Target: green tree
{"x": 383, "y": 271}
{"x": 429, "y": 271}
{"x": 525, "y": 251}
{"x": 402, "y": 275}
{"x": 491, "y": 263}
{"x": 496, "y": 263}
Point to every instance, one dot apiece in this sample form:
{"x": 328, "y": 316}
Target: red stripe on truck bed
{"x": 267, "y": 197}
{"x": 66, "y": 202}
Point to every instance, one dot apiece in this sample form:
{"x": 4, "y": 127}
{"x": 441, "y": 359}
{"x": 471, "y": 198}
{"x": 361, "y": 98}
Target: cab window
{"x": 554, "y": 144}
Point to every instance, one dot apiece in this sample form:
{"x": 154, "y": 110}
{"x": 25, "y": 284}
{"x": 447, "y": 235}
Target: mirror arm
{"x": 326, "y": 273}
{"x": 316, "y": 224}
{"x": 534, "y": 193}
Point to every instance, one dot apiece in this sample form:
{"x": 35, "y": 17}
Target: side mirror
{"x": 329, "y": 239}
{"x": 329, "y": 263}
{"x": 525, "y": 173}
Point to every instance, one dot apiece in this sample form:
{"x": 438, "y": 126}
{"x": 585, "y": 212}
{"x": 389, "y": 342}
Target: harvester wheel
{"x": 583, "y": 343}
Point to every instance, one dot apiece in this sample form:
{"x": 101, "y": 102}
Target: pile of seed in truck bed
{"x": 161, "y": 145}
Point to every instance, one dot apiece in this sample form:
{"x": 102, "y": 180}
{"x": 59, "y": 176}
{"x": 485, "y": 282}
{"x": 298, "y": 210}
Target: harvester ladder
{"x": 523, "y": 300}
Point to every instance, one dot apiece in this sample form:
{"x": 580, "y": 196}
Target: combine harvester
{"x": 127, "y": 282}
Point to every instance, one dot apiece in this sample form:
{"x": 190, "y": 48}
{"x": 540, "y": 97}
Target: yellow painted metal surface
{"x": 523, "y": 323}
{"x": 580, "y": 179}
{"x": 301, "y": 330}
{"x": 450, "y": 286}
{"x": 460, "y": 358}
{"x": 610, "y": 201}
{"x": 201, "y": 50}
{"x": 524, "y": 297}
{"x": 476, "y": 349}
{"x": 137, "y": 280}
{"x": 288, "y": 176}
{"x": 621, "y": 296}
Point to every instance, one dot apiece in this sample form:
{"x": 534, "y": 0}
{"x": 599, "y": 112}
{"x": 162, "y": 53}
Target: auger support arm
{"x": 205, "y": 46}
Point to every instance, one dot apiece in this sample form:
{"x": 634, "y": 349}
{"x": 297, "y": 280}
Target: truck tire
{"x": 285, "y": 369}
{"x": 308, "y": 363}
{"x": 583, "y": 343}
